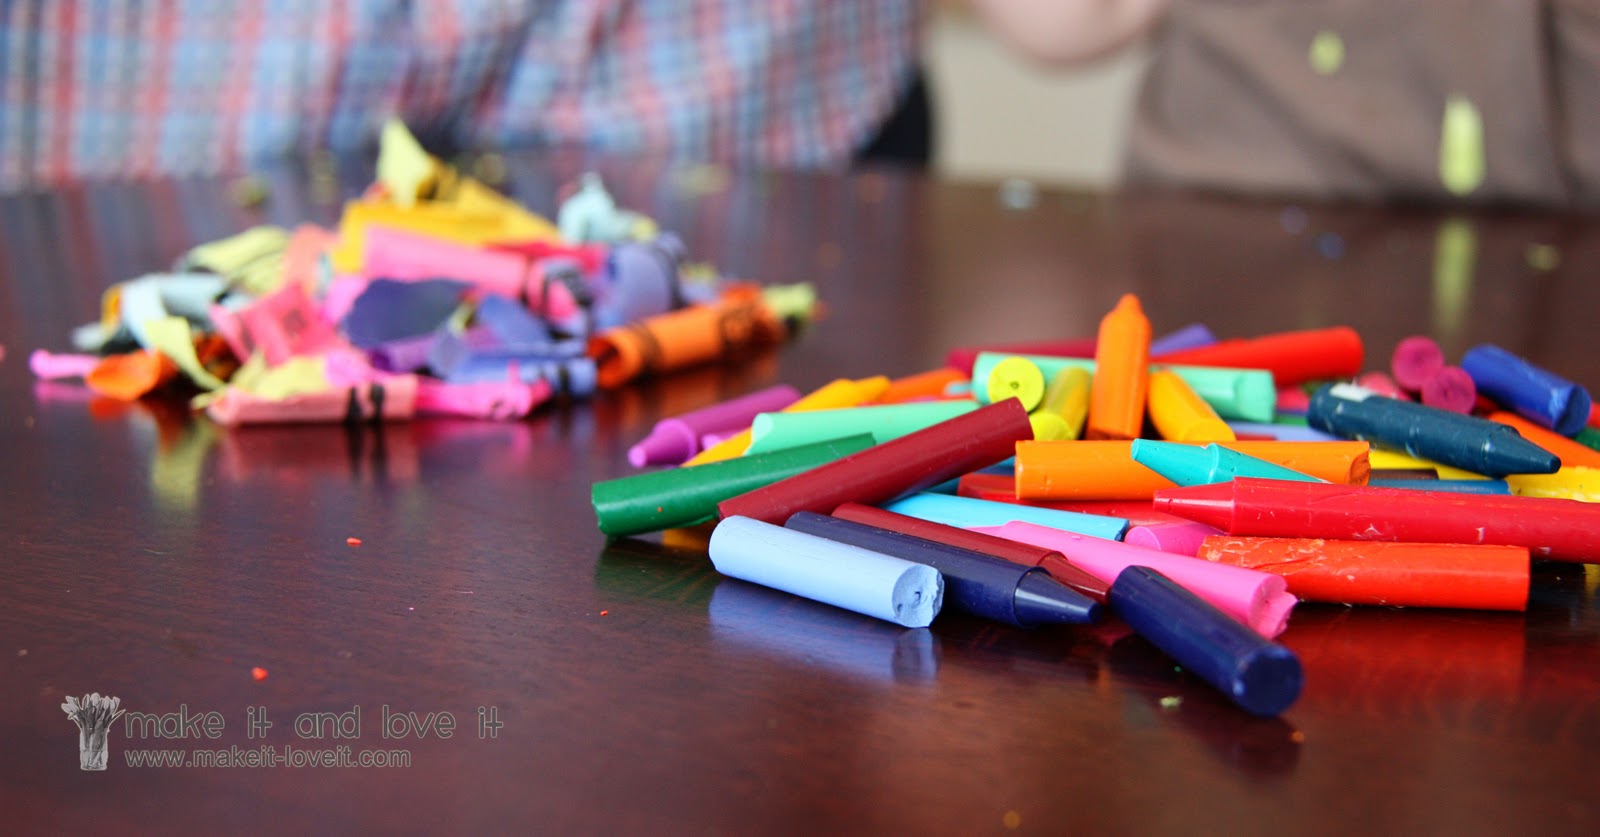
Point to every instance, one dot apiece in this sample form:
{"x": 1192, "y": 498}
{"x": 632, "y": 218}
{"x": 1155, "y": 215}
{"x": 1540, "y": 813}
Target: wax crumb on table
{"x": 258, "y": 673}
{"x": 352, "y": 541}
{"x": 605, "y": 613}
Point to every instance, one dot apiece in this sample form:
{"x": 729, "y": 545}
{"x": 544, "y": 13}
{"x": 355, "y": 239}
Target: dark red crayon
{"x": 1000, "y": 488}
{"x": 1564, "y": 530}
{"x": 900, "y": 466}
{"x": 1028, "y": 555}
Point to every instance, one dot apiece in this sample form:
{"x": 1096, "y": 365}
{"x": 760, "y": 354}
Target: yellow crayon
{"x": 1182, "y": 416}
{"x": 1572, "y": 482}
{"x": 1016, "y": 378}
{"x": 1393, "y": 460}
{"x": 1066, "y": 404}
{"x": 832, "y": 396}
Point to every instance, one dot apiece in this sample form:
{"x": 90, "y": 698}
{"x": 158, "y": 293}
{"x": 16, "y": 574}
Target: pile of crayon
{"x": 435, "y": 295}
{"x": 1197, "y": 489}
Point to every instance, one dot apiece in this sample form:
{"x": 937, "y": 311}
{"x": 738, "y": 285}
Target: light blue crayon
{"x": 1283, "y": 432}
{"x": 1458, "y": 486}
{"x": 967, "y": 512}
{"x": 1192, "y": 465}
{"x": 867, "y": 582}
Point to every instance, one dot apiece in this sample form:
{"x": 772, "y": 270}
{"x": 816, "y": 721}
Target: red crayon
{"x": 899, "y": 466}
{"x": 1564, "y": 530}
{"x": 1397, "y": 574}
{"x": 964, "y": 357}
{"x": 1000, "y": 488}
{"x": 1293, "y": 357}
{"x": 1017, "y": 552}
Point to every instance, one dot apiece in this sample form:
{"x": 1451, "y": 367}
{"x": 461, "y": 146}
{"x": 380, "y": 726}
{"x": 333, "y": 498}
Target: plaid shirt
{"x": 127, "y": 88}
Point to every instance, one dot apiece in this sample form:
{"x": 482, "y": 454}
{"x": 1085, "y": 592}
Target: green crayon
{"x": 685, "y": 496}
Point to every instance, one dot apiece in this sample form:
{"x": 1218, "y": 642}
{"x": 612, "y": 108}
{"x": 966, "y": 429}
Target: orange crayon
{"x": 930, "y": 384}
{"x": 1106, "y": 470}
{"x": 1122, "y": 374}
{"x": 1571, "y": 453}
{"x": 132, "y": 375}
{"x": 683, "y": 338}
{"x": 1180, "y": 415}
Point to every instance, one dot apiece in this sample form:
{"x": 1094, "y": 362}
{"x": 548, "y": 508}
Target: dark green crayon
{"x": 685, "y": 496}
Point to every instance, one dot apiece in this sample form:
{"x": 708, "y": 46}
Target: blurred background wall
{"x": 1001, "y": 117}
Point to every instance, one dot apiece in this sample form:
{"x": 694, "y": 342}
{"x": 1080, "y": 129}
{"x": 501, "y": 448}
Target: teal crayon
{"x": 967, "y": 512}
{"x": 1192, "y": 465}
{"x": 1460, "y": 441}
{"x": 1244, "y": 394}
{"x": 775, "y": 431}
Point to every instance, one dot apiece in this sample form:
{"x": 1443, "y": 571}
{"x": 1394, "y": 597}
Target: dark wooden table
{"x": 156, "y": 557}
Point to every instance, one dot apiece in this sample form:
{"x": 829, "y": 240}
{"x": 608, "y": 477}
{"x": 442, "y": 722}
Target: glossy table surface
{"x": 154, "y": 556}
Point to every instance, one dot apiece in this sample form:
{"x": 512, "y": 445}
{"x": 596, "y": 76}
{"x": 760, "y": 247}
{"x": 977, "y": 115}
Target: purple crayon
{"x": 674, "y": 440}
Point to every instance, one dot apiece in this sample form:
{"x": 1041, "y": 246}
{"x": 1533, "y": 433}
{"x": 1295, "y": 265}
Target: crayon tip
{"x": 1211, "y": 504}
{"x": 1041, "y": 600}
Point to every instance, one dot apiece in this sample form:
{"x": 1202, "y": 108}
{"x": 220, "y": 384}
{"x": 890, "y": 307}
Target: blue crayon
{"x": 1261, "y": 676}
{"x": 982, "y": 585}
{"x": 1191, "y": 336}
{"x": 1283, "y": 432}
{"x": 1534, "y": 393}
{"x": 967, "y": 512}
{"x": 1457, "y": 486}
{"x": 1467, "y": 442}
{"x": 867, "y": 582}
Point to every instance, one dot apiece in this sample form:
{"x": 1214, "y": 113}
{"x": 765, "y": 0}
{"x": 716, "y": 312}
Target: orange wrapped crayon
{"x": 132, "y": 375}
{"x": 1106, "y": 470}
{"x": 1571, "y": 453}
{"x": 683, "y": 338}
{"x": 1293, "y": 357}
{"x": 1377, "y": 573}
{"x": 1122, "y": 373}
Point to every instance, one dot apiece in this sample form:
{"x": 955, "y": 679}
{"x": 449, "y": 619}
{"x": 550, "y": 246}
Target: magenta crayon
{"x": 1257, "y": 599}
{"x": 1415, "y": 360}
{"x": 1564, "y": 530}
{"x": 1451, "y": 388}
{"x": 897, "y": 467}
{"x": 675, "y": 439}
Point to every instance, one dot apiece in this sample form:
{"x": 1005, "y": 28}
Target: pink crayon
{"x": 1259, "y": 600}
{"x": 390, "y": 399}
{"x": 502, "y": 400}
{"x": 394, "y": 254}
{"x": 1451, "y": 388}
{"x": 1415, "y": 360}
{"x": 1382, "y": 384}
{"x": 675, "y": 439}
{"x": 1173, "y": 538}
{"x": 51, "y": 367}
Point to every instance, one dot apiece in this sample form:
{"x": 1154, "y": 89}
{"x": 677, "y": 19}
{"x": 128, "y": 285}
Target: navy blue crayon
{"x": 1457, "y": 486}
{"x": 982, "y": 585}
{"x": 1536, "y": 394}
{"x": 1259, "y": 675}
{"x": 1467, "y": 442}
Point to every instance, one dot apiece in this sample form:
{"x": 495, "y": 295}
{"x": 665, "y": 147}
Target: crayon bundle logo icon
{"x": 93, "y": 714}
